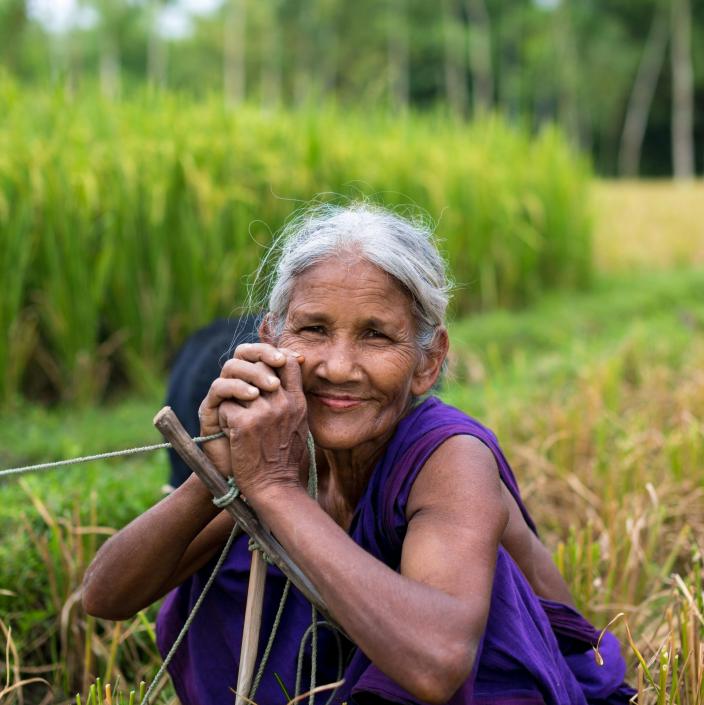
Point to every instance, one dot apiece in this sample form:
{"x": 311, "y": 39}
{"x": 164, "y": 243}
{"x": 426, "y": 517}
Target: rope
{"x": 270, "y": 641}
{"x": 301, "y": 652}
{"x": 313, "y": 490}
{"x": 98, "y": 456}
{"x": 232, "y": 493}
{"x": 313, "y": 628}
{"x": 186, "y": 625}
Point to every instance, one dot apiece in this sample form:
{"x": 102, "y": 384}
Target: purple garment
{"x": 533, "y": 651}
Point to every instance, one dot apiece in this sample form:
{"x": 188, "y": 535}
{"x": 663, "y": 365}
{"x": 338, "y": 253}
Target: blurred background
{"x": 150, "y": 150}
{"x": 624, "y": 79}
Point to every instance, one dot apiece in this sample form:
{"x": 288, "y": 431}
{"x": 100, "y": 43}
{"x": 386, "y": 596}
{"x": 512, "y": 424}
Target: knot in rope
{"x": 232, "y": 494}
{"x": 253, "y": 545}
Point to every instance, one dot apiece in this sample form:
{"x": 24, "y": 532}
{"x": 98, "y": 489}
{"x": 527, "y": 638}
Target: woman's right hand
{"x": 250, "y": 372}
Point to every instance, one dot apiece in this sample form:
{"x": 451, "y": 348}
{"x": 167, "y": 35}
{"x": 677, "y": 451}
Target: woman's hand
{"x": 258, "y": 401}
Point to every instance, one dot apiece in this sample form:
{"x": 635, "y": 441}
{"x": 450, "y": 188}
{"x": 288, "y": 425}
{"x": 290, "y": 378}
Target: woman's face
{"x": 354, "y": 325}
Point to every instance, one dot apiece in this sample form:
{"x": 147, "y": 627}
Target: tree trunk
{"x": 455, "y": 73}
{"x": 399, "y": 79}
{"x": 234, "y": 70}
{"x": 480, "y": 62}
{"x": 641, "y": 99}
{"x": 682, "y": 91}
{"x": 156, "y": 49}
{"x": 567, "y": 69}
{"x": 304, "y": 75}
{"x": 272, "y": 78}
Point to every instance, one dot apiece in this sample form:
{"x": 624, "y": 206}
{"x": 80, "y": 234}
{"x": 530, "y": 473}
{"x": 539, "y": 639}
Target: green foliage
{"x": 130, "y": 224}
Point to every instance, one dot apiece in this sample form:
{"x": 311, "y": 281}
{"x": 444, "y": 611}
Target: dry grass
{"x": 648, "y": 225}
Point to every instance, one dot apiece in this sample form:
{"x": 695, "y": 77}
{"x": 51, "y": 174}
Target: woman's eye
{"x": 313, "y": 329}
{"x": 373, "y": 333}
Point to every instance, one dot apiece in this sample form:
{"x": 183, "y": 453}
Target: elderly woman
{"x": 418, "y": 542}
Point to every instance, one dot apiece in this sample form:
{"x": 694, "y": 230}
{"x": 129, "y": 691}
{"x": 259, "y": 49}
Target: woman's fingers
{"x": 290, "y": 373}
{"x": 260, "y": 352}
{"x": 223, "y": 390}
{"x": 256, "y": 374}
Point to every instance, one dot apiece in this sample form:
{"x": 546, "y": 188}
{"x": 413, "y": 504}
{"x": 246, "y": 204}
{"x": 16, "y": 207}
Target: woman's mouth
{"x": 339, "y": 401}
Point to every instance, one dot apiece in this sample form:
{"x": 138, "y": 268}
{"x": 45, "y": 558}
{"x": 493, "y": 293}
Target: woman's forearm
{"x": 131, "y": 569}
{"x": 410, "y": 630}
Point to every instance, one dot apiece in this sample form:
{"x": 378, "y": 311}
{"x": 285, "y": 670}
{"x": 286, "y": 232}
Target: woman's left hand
{"x": 268, "y": 435}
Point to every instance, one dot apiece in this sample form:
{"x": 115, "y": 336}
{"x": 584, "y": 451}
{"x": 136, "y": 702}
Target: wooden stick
{"x": 252, "y": 627}
{"x": 171, "y": 428}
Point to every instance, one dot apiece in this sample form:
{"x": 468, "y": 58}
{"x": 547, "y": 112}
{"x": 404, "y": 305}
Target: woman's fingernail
{"x": 252, "y": 391}
{"x": 272, "y": 380}
{"x": 279, "y": 357}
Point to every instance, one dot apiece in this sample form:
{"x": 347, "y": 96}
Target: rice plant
{"x": 127, "y": 225}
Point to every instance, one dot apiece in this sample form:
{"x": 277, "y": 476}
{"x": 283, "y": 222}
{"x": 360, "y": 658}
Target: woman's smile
{"x": 337, "y": 402}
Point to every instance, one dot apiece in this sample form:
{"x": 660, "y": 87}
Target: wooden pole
{"x": 171, "y": 428}
{"x": 251, "y": 628}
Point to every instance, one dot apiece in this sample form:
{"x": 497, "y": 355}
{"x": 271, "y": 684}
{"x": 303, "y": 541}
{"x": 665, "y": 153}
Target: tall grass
{"x": 124, "y": 226}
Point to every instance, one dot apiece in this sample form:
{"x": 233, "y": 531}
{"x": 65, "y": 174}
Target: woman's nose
{"x": 339, "y": 363}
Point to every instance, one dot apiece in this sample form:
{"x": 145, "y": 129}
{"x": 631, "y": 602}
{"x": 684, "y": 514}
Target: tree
{"x": 156, "y": 46}
{"x": 234, "y": 54}
{"x": 682, "y": 91}
{"x": 455, "y": 58}
{"x": 641, "y": 98}
{"x": 398, "y": 51}
{"x": 480, "y": 55}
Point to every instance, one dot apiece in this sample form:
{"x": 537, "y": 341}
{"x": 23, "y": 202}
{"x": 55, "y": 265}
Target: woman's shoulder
{"x": 430, "y": 423}
{"x": 425, "y": 429}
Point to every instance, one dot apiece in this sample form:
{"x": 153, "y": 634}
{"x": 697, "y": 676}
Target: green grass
{"x": 547, "y": 346}
{"x": 597, "y": 399}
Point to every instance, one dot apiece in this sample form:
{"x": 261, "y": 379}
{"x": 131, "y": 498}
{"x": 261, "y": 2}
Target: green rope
{"x": 313, "y": 492}
{"x": 270, "y": 641}
{"x": 235, "y": 531}
{"x": 301, "y": 653}
{"x": 98, "y": 456}
{"x": 229, "y": 497}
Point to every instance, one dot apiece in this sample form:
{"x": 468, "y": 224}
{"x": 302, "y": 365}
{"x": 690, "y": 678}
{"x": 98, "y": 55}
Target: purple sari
{"x": 533, "y": 651}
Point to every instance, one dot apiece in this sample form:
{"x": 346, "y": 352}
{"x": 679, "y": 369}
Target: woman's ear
{"x": 428, "y": 370}
{"x": 266, "y": 329}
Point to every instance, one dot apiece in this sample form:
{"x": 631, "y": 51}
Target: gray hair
{"x": 402, "y": 247}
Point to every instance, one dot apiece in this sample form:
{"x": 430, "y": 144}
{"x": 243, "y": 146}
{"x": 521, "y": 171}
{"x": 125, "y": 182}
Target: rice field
{"x": 648, "y": 225}
{"x": 125, "y": 226}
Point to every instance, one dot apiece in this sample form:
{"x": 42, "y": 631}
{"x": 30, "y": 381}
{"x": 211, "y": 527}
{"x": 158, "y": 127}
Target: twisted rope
{"x": 98, "y": 456}
{"x": 186, "y": 625}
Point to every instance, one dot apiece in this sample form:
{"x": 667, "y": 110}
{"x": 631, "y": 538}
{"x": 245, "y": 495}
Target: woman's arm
{"x": 532, "y": 557}
{"x": 155, "y": 552}
{"x": 421, "y": 626}
{"x": 176, "y": 537}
